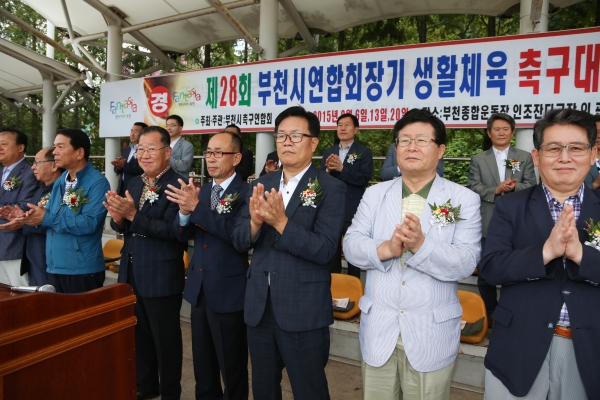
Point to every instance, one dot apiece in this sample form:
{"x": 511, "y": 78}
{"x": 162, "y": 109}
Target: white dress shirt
{"x": 501, "y": 157}
{"x": 185, "y": 219}
{"x": 288, "y": 190}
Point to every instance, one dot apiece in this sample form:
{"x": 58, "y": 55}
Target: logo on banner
{"x": 159, "y": 101}
{"x": 122, "y": 107}
{"x": 187, "y": 98}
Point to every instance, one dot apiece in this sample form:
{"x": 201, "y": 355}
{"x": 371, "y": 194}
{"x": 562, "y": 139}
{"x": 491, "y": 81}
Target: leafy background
{"x": 392, "y": 32}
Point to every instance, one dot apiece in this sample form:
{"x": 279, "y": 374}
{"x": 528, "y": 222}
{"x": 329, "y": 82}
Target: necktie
{"x": 215, "y": 196}
{"x": 4, "y": 174}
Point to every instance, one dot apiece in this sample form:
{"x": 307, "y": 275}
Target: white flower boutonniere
{"x": 45, "y": 199}
{"x": 444, "y": 214}
{"x": 310, "y": 196}
{"x": 226, "y": 203}
{"x": 352, "y": 157}
{"x": 514, "y": 165}
{"x": 12, "y": 183}
{"x": 593, "y": 231}
{"x": 75, "y": 199}
{"x": 151, "y": 194}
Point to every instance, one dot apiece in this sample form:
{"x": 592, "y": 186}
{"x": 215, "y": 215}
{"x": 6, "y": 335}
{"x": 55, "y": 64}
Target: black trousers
{"x": 488, "y": 292}
{"x": 303, "y": 354}
{"x": 158, "y": 343}
{"x": 336, "y": 261}
{"x": 76, "y": 283}
{"x": 220, "y": 349}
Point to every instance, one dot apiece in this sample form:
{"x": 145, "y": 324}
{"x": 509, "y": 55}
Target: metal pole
{"x": 538, "y": 11}
{"x": 269, "y": 13}
{"x": 114, "y": 67}
{"x": 48, "y": 96}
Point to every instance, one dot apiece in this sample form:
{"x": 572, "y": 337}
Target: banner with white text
{"x": 461, "y": 82}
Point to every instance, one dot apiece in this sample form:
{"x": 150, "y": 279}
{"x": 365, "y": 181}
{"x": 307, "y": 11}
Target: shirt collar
{"x": 579, "y": 194}
{"x": 424, "y": 192}
{"x": 147, "y": 181}
{"x": 225, "y": 184}
{"x": 10, "y": 169}
{"x": 175, "y": 141}
{"x": 298, "y": 177}
{"x": 347, "y": 147}
{"x": 501, "y": 152}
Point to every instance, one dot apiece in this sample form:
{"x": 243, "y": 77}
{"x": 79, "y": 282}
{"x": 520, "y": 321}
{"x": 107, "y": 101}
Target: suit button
{"x": 403, "y": 283}
{"x": 200, "y": 270}
{"x": 204, "y": 246}
{"x": 550, "y": 325}
{"x": 402, "y": 312}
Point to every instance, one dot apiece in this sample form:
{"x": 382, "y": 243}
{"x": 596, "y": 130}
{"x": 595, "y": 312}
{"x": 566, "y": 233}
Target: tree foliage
{"x": 392, "y": 32}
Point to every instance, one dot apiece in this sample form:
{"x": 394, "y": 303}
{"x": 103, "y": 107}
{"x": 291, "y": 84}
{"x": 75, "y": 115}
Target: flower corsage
{"x": 75, "y": 199}
{"x": 226, "y": 203}
{"x": 352, "y": 157}
{"x": 514, "y": 165}
{"x": 310, "y": 196}
{"x": 151, "y": 194}
{"x": 593, "y": 231}
{"x": 444, "y": 214}
{"x": 12, "y": 183}
{"x": 45, "y": 199}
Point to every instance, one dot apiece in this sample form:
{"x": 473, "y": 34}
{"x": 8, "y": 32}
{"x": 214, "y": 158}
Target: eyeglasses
{"x": 171, "y": 125}
{"x": 41, "y": 162}
{"x": 294, "y": 137}
{"x": 151, "y": 151}
{"x": 421, "y": 141}
{"x": 217, "y": 154}
{"x": 573, "y": 149}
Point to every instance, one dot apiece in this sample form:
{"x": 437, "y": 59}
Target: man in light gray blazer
{"x": 182, "y": 155}
{"x": 410, "y": 323}
{"x": 490, "y": 178}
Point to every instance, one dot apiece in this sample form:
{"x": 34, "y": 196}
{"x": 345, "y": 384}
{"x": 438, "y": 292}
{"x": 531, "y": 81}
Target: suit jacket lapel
{"x": 294, "y": 202}
{"x": 538, "y": 206}
{"x": 16, "y": 171}
{"x": 590, "y": 208}
{"x": 437, "y": 194}
{"x": 490, "y": 159}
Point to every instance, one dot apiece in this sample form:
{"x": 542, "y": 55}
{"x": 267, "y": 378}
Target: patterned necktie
{"x": 215, "y": 196}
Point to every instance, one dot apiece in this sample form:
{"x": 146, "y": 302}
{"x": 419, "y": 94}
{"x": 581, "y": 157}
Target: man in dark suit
{"x": 547, "y": 322}
{"x": 293, "y": 223}
{"x": 152, "y": 263}
{"x": 490, "y": 178}
{"x": 216, "y": 280}
{"x": 245, "y": 167}
{"x": 17, "y": 188}
{"x": 127, "y": 164}
{"x": 351, "y": 163}
{"x": 272, "y": 163}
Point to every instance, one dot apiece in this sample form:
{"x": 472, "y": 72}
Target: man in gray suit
{"x": 182, "y": 156}
{"x": 592, "y": 180}
{"x": 491, "y": 176}
{"x": 18, "y": 184}
{"x": 416, "y": 236}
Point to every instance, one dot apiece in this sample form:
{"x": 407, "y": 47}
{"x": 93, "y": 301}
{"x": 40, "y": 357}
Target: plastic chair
{"x": 186, "y": 259}
{"x": 473, "y": 310}
{"x": 343, "y": 286}
{"x": 112, "y": 251}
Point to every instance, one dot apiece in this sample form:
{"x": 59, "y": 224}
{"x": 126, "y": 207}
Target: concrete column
{"x": 269, "y": 14}
{"x": 114, "y": 67}
{"x": 524, "y": 137}
{"x": 48, "y": 97}
{"x": 48, "y": 117}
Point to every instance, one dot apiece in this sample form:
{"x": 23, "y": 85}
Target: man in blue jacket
{"x": 74, "y": 217}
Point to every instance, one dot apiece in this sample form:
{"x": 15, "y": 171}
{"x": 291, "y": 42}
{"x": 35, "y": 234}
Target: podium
{"x": 68, "y": 346}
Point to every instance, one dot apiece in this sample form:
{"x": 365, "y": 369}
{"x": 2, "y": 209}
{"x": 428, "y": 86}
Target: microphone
{"x": 43, "y": 288}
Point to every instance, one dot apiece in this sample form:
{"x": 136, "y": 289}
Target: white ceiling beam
{"x": 11, "y": 105}
{"x": 51, "y": 42}
{"x": 144, "y": 41}
{"x": 62, "y": 96}
{"x": 236, "y": 25}
{"x": 289, "y": 7}
{"x": 21, "y": 99}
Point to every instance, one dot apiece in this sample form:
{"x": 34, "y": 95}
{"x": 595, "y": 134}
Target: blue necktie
{"x": 215, "y": 196}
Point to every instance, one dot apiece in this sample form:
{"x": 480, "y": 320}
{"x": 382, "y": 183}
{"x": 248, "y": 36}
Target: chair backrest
{"x": 343, "y": 286}
{"x": 473, "y": 310}
{"x": 112, "y": 248}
